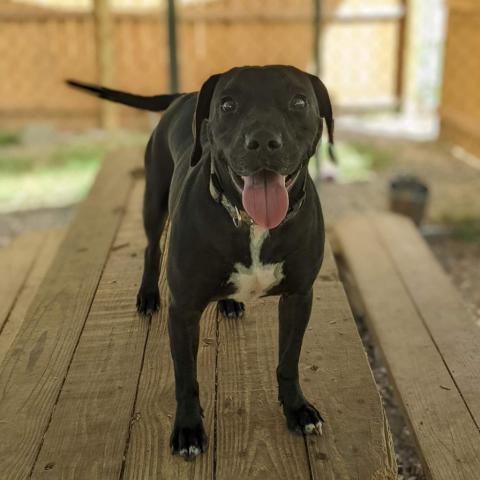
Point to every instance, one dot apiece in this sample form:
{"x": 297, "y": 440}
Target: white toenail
{"x": 194, "y": 451}
{"x": 309, "y": 428}
{"x": 318, "y": 427}
{"x": 183, "y": 452}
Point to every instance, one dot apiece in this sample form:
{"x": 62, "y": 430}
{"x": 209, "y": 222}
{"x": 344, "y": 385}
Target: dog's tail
{"x": 156, "y": 103}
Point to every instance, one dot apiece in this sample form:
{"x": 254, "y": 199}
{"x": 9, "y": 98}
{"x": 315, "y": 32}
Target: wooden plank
{"x": 49, "y": 241}
{"x": 329, "y": 269}
{"x": 253, "y": 440}
{"x": 33, "y": 371}
{"x": 84, "y": 440}
{"x": 334, "y": 369}
{"x": 443, "y": 312}
{"x": 448, "y": 439}
{"x": 16, "y": 261}
{"x": 148, "y": 455}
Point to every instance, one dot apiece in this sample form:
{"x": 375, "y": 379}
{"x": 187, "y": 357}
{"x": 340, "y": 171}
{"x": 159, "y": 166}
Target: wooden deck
{"x": 86, "y": 387}
{"x": 428, "y": 339}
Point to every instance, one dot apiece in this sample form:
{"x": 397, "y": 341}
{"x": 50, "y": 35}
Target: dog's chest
{"x": 254, "y": 281}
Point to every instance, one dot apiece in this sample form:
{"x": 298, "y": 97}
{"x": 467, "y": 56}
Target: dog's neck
{"x": 224, "y": 191}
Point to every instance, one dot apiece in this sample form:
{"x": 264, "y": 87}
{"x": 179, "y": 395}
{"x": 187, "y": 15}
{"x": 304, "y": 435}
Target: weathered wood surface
{"x": 47, "y": 242}
{"x": 430, "y": 344}
{"x": 88, "y": 430}
{"x": 253, "y": 441}
{"x": 148, "y": 454}
{"x": 16, "y": 262}
{"x": 34, "y": 369}
{"x": 444, "y": 314}
{"x": 87, "y": 389}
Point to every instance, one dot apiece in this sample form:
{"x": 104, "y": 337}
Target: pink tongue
{"x": 265, "y": 198}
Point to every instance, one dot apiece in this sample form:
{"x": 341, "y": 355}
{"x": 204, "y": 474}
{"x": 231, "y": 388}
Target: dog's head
{"x": 262, "y": 124}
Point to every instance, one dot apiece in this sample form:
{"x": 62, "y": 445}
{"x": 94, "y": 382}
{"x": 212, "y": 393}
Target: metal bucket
{"x": 408, "y": 196}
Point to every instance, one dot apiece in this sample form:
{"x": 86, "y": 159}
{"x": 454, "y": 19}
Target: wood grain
{"x": 49, "y": 242}
{"x": 447, "y": 437}
{"x": 443, "y": 312}
{"x": 33, "y": 371}
{"x": 148, "y": 455}
{"x": 16, "y": 261}
{"x": 356, "y": 443}
{"x": 329, "y": 269}
{"x": 84, "y": 440}
{"x": 253, "y": 440}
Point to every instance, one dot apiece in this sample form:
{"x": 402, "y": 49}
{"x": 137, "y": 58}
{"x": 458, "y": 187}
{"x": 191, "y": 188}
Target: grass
{"x": 59, "y": 173}
{"x": 59, "y": 177}
{"x": 357, "y": 162}
{"x": 467, "y": 231}
{"x": 8, "y": 138}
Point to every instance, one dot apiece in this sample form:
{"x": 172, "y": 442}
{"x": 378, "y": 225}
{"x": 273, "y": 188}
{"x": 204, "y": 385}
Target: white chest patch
{"x": 256, "y": 280}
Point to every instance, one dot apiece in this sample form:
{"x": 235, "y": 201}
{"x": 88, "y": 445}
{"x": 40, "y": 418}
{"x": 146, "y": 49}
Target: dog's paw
{"x": 188, "y": 442}
{"x": 230, "y": 308}
{"x": 306, "y": 419}
{"x": 148, "y": 301}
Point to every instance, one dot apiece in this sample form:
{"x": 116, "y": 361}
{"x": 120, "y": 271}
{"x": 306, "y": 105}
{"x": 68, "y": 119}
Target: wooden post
{"x": 172, "y": 45}
{"x": 317, "y": 34}
{"x": 402, "y": 40}
{"x": 105, "y": 67}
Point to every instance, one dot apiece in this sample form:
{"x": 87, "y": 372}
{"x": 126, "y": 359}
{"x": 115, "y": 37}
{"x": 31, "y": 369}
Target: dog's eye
{"x": 228, "y": 104}
{"x": 298, "y": 102}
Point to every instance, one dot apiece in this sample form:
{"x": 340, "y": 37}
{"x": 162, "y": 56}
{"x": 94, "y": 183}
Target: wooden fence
{"x": 460, "y": 106}
{"x": 39, "y": 48}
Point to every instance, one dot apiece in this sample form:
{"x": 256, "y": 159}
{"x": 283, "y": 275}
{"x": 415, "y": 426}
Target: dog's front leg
{"x": 294, "y": 313}
{"x": 188, "y": 436}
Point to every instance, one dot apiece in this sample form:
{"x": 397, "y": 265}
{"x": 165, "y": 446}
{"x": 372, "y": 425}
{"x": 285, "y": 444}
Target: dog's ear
{"x": 202, "y": 111}
{"x": 325, "y": 108}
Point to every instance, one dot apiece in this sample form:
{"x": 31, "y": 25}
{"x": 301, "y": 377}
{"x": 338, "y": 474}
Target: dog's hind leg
{"x": 158, "y": 174}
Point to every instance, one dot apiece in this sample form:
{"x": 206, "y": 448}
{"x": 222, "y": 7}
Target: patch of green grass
{"x": 65, "y": 158}
{"x": 78, "y": 157}
{"x": 58, "y": 177}
{"x": 8, "y": 138}
{"x": 374, "y": 158}
{"x": 357, "y": 162}
{"x": 463, "y": 228}
{"x": 11, "y": 164}
{"x": 467, "y": 231}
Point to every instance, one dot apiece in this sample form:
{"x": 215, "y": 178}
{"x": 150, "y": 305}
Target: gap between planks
{"x": 16, "y": 261}
{"x": 48, "y": 242}
{"x": 144, "y": 438}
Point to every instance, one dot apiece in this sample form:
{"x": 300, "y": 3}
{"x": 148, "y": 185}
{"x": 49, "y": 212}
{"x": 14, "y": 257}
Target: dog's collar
{"x": 240, "y": 217}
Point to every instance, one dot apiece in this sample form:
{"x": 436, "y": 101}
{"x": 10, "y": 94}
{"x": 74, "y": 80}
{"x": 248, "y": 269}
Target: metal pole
{"x": 172, "y": 45}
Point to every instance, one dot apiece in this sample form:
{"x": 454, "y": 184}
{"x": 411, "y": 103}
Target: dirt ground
{"x": 452, "y": 230}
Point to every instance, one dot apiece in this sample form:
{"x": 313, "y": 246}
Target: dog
{"x": 228, "y": 166}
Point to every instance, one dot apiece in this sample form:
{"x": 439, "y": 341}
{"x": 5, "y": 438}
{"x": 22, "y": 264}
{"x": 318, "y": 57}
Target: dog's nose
{"x": 263, "y": 140}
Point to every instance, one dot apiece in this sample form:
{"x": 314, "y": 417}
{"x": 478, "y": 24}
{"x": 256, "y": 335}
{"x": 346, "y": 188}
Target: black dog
{"x": 245, "y": 218}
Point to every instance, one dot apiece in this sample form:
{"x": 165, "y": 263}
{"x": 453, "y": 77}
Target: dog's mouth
{"x": 265, "y": 195}
{"x": 239, "y": 183}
